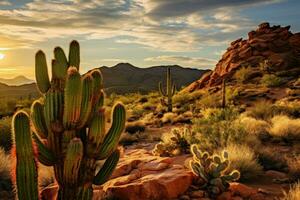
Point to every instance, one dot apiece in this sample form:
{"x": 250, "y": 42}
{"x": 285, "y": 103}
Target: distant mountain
{"x": 125, "y": 78}
{"x": 121, "y": 78}
{"x": 18, "y": 80}
{"x": 24, "y": 91}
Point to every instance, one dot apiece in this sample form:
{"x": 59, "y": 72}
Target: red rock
{"x": 225, "y": 196}
{"x": 276, "y": 174}
{"x": 242, "y": 190}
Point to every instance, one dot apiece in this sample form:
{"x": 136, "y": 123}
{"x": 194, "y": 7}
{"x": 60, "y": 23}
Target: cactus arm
{"x": 61, "y": 67}
{"x": 38, "y": 119}
{"x": 26, "y": 177}
{"x": 74, "y": 54}
{"x": 112, "y": 138}
{"x": 41, "y": 72}
{"x": 72, "y": 161}
{"x": 87, "y": 98}
{"x": 72, "y": 99}
{"x": 97, "y": 85}
{"x": 96, "y": 131}
{"x": 45, "y": 155}
{"x": 173, "y": 89}
{"x": 161, "y": 91}
{"x": 105, "y": 172}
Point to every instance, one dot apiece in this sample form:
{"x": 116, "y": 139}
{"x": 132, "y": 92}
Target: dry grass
{"x": 5, "y": 163}
{"x": 294, "y": 167}
{"x": 254, "y": 126}
{"x": 285, "y": 127}
{"x": 294, "y": 193}
{"x": 244, "y": 160}
{"x": 169, "y": 117}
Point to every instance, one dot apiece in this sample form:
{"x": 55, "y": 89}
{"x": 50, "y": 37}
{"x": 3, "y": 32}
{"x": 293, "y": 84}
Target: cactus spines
{"x": 38, "y": 119}
{"x": 41, "y": 72}
{"x": 212, "y": 169}
{"x": 74, "y": 54}
{"x": 72, "y": 98}
{"x": 25, "y": 170}
{"x": 68, "y": 130}
{"x": 170, "y": 90}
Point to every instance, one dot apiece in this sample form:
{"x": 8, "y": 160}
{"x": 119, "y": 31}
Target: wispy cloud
{"x": 184, "y": 60}
{"x": 5, "y": 3}
{"x": 157, "y": 24}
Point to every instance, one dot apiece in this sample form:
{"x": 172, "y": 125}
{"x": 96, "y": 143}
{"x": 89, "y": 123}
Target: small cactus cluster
{"x": 212, "y": 170}
{"x": 174, "y": 143}
{"x": 169, "y": 92}
{"x": 66, "y": 130}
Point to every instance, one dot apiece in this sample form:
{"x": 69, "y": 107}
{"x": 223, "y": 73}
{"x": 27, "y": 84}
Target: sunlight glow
{"x": 1, "y": 56}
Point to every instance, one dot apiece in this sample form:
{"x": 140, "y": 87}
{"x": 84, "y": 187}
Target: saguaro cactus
{"x": 170, "y": 90}
{"x": 67, "y": 129}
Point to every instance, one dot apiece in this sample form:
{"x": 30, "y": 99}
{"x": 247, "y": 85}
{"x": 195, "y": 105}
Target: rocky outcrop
{"x": 140, "y": 175}
{"x": 276, "y": 45}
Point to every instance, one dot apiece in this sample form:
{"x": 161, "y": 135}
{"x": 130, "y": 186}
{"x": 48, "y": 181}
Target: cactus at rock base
{"x": 169, "y": 92}
{"x": 68, "y": 130}
{"x": 212, "y": 169}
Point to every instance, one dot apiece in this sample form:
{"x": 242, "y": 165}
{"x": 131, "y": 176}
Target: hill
{"x": 267, "y": 65}
{"x": 18, "y": 80}
{"x": 125, "y": 78}
{"x": 121, "y": 78}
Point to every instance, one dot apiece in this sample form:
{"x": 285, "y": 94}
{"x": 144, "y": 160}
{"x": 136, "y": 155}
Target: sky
{"x": 191, "y": 33}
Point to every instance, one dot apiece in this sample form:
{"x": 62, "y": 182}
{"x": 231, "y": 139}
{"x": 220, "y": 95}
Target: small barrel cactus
{"x": 169, "y": 92}
{"x": 67, "y": 130}
{"x": 212, "y": 170}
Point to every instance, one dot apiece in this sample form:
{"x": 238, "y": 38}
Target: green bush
{"x": 271, "y": 80}
{"x": 243, "y": 74}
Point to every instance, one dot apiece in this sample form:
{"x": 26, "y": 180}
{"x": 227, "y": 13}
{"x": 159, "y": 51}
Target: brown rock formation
{"x": 276, "y": 44}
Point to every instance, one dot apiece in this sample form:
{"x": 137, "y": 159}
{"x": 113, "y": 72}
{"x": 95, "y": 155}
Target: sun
{"x": 2, "y": 56}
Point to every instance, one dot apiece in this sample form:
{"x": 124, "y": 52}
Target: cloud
{"x": 160, "y": 25}
{"x": 199, "y": 62}
{"x": 5, "y": 3}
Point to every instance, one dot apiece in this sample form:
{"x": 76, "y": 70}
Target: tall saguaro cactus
{"x": 67, "y": 130}
{"x": 169, "y": 91}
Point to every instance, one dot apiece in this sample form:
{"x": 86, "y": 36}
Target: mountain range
{"x": 121, "y": 78}
{"x": 18, "y": 80}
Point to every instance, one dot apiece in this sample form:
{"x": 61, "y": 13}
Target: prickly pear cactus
{"x": 212, "y": 170}
{"x": 169, "y": 91}
{"x": 67, "y": 129}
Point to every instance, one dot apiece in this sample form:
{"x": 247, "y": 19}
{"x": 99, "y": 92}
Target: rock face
{"x": 140, "y": 175}
{"x": 276, "y": 45}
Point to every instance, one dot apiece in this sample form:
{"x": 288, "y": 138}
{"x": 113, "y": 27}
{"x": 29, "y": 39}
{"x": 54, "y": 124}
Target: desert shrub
{"x": 149, "y": 106}
{"x": 262, "y": 110}
{"x": 243, "y": 74}
{"x": 285, "y": 127}
{"x": 176, "y": 142}
{"x": 169, "y": 117}
{"x": 208, "y": 101}
{"x": 294, "y": 192}
{"x": 5, "y": 164}
{"x": 134, "y": 127}
{"x": 291, "y": 109}
{"x": 272, "y": 160}
{"x": 137, "y": 111}
{"x": 254, "y": 126}
{"x": 219, "y": 127}
{"x": 232, "y": 94}
{"x": 271, "y": 80}
{"x": 181, "y": 98}
{"x": 5, "y": 133}
{"x": 243, "y": 159}
{"x": 129, "y": 139}
{"x": 294, "y": 167}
